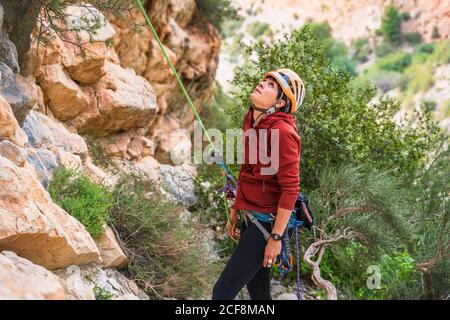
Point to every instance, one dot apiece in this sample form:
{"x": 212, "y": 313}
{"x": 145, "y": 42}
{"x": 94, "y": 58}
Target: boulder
{"x": 21, "y": 94}
{"x": 8, "y": 51}
{"x": 110, "y": 250}
{"x": 14, "y": 153}
{"x": 127, "y": 145}
{"x": 81, "y": 281}
{"x": 9, "y": 127}
{"x": 65, "y": 98}
{"x": 43, "y": 162}
{"x": 77, "y": 287}
{"x": 120, "y": 101}
{"x": 20, "y": 279}
{"x": 34, "y": 227}
{"x": 44, "y": 132}
{"x": 179, "y": 182}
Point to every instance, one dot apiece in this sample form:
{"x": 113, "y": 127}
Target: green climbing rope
{"x": 191, "y": 104}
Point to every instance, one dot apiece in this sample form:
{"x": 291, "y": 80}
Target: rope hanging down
{"x": 229, "y": 180}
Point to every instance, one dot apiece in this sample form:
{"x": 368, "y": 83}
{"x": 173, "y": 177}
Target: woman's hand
{"x": 231, "y": 225}
{"x": 273, "y": 249}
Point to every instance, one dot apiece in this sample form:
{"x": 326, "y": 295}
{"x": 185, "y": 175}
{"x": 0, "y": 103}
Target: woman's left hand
{"x": 273, "y": 249}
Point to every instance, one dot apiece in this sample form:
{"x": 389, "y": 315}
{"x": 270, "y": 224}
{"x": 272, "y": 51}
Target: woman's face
{"x": 265, "y": 93}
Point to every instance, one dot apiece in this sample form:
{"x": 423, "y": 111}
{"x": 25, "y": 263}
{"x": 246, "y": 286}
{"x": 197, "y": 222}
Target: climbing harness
{"x": 301, "y": 215}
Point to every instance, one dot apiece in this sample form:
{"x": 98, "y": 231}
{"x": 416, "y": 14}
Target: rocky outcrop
{"x": 192, "y": 45}
{"x": 34, "y": 227}
{"x": 9, "y": 127}
{"x": 20, "y": 279}
{"x": 353, "y": 19}
{"x": 81, "y": 282}
{"x": 21, "y": 94}
{"x": 8, "y": 51}
{"x": 110, "y": 250}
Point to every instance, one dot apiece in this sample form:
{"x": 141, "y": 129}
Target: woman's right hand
{"x": 231, "y": 225}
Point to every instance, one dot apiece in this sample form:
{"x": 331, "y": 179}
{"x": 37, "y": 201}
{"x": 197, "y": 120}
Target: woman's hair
{"x": 283, "y": 97}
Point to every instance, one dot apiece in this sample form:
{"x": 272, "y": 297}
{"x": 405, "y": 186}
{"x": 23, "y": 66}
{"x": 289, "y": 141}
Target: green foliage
{"x": 362, "y": 49}
{"x": 413, "y": 38}
{"x": 435, "y": 33}
{"x": 429, "y": 105}
{"x": 334, "y": 50}
{"x": 56, "y": 21}
{"x": 397, "y": 61}
{"x": 217, "y": 11}
{"x": 214, "y": 115}
{"x": 102, "y": 294}
{"x": 391, "y": 25}
{"x": 431, "y": 223}
{"x": 426, "y": 48}
{"x": 167, "y": 259}
{"x": 258, "y": 29}
{"x": 405, "y": 16}
{"x": 81, "y": 198}
{"x": 335, "y": 116}
{"x": 383, "y": 49}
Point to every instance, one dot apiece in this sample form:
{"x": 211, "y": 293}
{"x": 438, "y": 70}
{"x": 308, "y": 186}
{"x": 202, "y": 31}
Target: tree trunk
{"x": 20, "y": 17}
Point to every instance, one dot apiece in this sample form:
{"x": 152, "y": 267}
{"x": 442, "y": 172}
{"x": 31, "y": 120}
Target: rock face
{"x": 192, "y": 45}
{"x": 8, "y": 52}
{"x": 44, "y": 132}
{"x": 9, "y": 128}
{"x": 352, "y": 19}
{"x": 21, "y": 94}
{"x": 110, "y": 250}
{"x": 81, "y": 282}
{"x": 21, "y": 279}
{"x": 34, "y": 227}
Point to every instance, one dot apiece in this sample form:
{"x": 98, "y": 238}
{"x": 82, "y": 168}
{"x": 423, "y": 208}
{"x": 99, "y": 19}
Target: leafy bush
{"x": 362, "y": 49}
{"x": 391, "y": 25}
{"x": 217, "y": 11}
{"x": 435, "y": 33}
{"x": 81, "y": 198}
{"x": 426, "y": 48}
{"x": 398, "y": 61}
{"x": 167, "y": 259}
{"x": 257, "y": 29}
{"x": 413, "y": 38}
{"x": 335, "y": 117}
{"x": 383, "y": 49}
{"x": 102, "y": 294}
{"x": 405, "y": 16}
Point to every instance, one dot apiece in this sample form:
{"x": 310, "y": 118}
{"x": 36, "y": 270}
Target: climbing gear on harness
{"x": 291, "y": 85}
{"x": 301, "y": 216}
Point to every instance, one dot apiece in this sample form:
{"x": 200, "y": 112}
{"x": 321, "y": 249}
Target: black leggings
{"x": 245, "y": 267}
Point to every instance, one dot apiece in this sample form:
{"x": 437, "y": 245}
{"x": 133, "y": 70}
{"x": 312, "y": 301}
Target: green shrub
{"x": 391, "y": 25}
{"x": 405, "y": 16}
{"x": 257, "y": 29}
{"x": 413, "y": 38}
{"x": 102, "y": 294}
{"x": 335, "y": 117}
{"x": 217, "y": 11}
{"x": 435, "y": 33}
{"x": 398, "y": 61}
{"x": 362, "y": 49}
{"x": 383, "y": 49}
{"x": 167, "y": 258}
{"x": 426, "y": 48}
{"x": 81, "y": 198}
{"x": 429, "y": 105}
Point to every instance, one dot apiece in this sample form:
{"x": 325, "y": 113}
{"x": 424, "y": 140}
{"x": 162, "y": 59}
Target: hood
{"x": 271, "y": 120}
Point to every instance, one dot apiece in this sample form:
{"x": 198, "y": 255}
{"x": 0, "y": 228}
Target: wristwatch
{"x": 275, "y": 236}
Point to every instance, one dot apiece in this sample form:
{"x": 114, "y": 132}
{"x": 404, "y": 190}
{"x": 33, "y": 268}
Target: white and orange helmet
{"x": 291, "y": 85}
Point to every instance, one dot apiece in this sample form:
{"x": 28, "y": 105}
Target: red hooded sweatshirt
{"x": 266, "y": 192}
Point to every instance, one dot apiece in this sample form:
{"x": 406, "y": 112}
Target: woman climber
{"x": 262, "y": 194}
